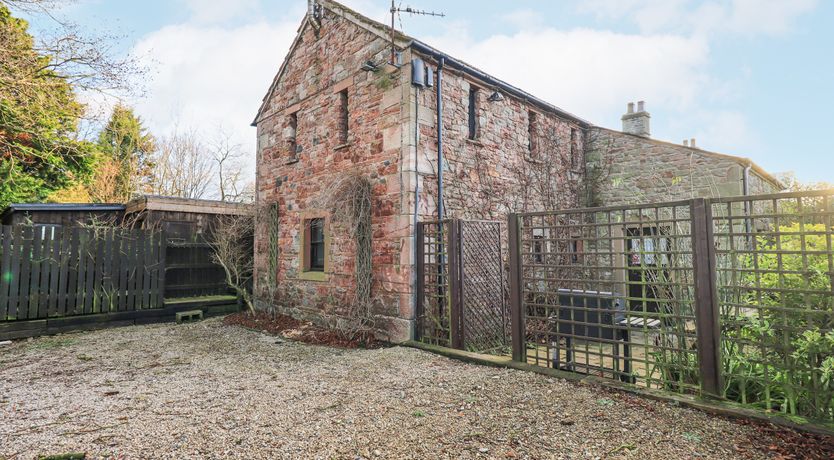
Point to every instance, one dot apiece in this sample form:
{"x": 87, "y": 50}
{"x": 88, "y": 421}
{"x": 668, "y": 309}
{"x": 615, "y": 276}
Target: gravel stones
{"x": 209, "y": 390}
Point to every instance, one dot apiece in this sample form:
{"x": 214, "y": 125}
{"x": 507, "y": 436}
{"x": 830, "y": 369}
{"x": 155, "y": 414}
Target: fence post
{"x": 420, "y": 269}
{"x": 516, "y": 314}
{"x": 453, "y": 256}
{"x": 706, "y": 297}
{"x": 163, "y": 256}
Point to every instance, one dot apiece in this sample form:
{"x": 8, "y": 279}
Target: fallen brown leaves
{"x": 786, "y": 444}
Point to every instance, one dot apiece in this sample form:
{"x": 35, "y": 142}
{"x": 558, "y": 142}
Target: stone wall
{"x": 497, "y": 172}
{"x": 513, "y": 165}
{"x": 485, "y": 178}
{"x": 323, "y": 63}
{"x": 628, "y": 169}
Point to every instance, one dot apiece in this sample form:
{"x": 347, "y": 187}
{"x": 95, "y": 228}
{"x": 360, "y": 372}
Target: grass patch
{"x": 53, "y": 342}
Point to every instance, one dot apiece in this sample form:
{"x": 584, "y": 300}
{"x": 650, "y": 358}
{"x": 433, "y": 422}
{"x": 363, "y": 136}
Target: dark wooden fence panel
{"x": 50, "y": 272}
{"x": 190, "y": 271}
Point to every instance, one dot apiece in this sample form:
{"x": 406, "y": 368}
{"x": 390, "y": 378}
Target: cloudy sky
{"x": 747, "y": 77}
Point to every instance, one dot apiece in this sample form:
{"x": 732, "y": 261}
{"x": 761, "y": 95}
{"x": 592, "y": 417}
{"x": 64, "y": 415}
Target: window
{"x": 648, "y": 246}
{"x": 344, "y": 117}
{"x": 314, "y": 250}
{"x": 473, "y": 113}
{"x": 574, "y": 160}
{"x": 292, "y": 134}
{"x": 538, "y": 249}
{"x": 532, "y": 123}
{"x": 576, "y": 249}
{"x": 538, "y": 245}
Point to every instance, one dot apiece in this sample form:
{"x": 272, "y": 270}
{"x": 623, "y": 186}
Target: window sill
{"x": 533, "y": 159}
{"x": 291, "y": 161}
{"x": 475, "y": 142}
{"x": 342, "y": 146}
{"x": 314, "y": 276}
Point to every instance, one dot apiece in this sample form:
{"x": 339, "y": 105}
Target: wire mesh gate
{"x": 461, "y": 285}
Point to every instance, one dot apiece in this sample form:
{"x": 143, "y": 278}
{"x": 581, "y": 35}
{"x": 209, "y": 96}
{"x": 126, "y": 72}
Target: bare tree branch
{"x": 181, "y": 167}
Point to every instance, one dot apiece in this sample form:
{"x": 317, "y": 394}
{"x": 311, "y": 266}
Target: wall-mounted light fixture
{"x": 369, "y": 66}
{"x": 495, "y": 97}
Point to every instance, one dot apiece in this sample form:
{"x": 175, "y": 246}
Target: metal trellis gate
{"x": 461, "y": 285}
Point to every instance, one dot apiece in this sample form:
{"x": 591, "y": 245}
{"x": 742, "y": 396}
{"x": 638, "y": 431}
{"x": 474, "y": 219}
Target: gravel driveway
{"x": 207, "y": 390}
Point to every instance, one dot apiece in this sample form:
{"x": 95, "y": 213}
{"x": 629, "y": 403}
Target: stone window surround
{"x": 304, "y": 234}
{"x": 343, "y": 87}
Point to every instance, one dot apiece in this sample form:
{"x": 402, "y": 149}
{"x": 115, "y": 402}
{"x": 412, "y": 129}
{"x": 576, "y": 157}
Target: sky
{"x": 753, "y": 78}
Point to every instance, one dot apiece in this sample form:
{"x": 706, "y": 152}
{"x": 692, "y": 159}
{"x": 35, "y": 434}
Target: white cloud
{"x": 207, "y": 76}
{"x": 215, "y": 68}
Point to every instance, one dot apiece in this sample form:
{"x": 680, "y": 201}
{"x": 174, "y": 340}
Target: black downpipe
{"x": 439, "y": 90}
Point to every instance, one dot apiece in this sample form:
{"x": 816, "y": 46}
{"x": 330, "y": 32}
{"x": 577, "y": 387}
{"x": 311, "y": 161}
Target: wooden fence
{"x": 52, "y": 272}
{"x": 57, "y": 279}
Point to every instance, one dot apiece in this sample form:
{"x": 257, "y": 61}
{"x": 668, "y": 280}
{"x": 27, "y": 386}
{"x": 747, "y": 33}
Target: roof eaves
{"x": 462, "y": 66}
{"x": 65, "y": 207}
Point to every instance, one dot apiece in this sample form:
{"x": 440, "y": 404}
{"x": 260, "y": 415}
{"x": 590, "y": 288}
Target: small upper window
{"x": 344, "y": 117}
{"x": 292, "y": 134}
{"x": 574, "y": 150}
{"x": 532, "y": 124}
{"x": 315, "y": 245}
{"x": 473, "y": 112}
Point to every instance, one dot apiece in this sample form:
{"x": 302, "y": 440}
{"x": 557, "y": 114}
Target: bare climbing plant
{"x": 350, "y": 202}
{"x": 231, "y": 243}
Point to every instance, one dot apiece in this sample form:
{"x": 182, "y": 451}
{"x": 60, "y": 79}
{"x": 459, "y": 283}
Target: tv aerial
{"x": 396, "y": 11}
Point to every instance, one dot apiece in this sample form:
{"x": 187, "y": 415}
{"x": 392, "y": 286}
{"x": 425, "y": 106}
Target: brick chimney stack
{"x": 637, "y": 123}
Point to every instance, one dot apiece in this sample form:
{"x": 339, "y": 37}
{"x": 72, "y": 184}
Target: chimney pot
{"x": 686, "y": 143}
{"x": 692, "y": 142}
{"x": 636, "y": 123}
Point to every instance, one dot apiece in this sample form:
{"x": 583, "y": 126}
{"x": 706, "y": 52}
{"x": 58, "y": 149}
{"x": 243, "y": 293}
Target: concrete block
{"x": 189, "y": 316}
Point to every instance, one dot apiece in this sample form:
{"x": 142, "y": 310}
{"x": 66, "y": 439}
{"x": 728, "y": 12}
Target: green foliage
{"x": 39, "y": 151}
{"x": 126, "y": 141}
{"x": 780, "y": 353}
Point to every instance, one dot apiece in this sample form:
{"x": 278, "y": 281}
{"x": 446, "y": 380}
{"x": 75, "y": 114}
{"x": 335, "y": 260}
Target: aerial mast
{"x": 395, "y": 11}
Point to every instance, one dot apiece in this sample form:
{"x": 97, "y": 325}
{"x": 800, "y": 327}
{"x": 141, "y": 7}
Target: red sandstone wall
{"x": 484, "y": 179}
{"x": 318, "y": 68}
{"x": 497, "y": 173}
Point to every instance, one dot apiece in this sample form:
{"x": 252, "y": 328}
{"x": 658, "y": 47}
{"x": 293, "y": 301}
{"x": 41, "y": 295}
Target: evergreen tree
{"x": 127, "y": 146}
{"x": 39, "y": 148}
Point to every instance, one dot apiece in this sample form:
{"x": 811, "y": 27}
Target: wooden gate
{"x": 462, "y": 295}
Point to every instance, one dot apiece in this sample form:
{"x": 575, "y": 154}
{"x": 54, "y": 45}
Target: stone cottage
{"x": 353, "y": 98}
